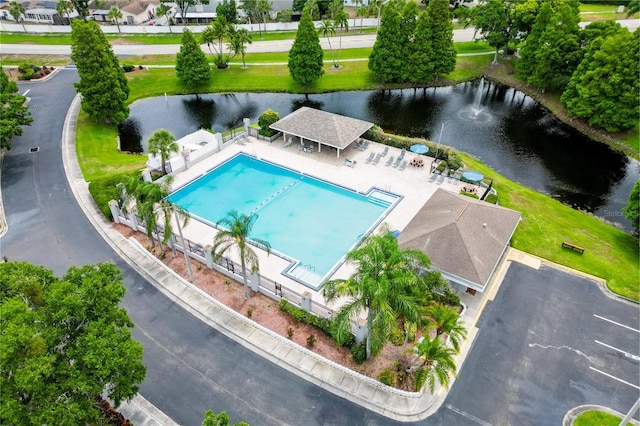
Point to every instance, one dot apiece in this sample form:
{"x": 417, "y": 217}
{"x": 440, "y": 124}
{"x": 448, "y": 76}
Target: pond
{"x": 508, "y": 130}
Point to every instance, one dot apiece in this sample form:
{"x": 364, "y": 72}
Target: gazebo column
{"x": 337, "y": 152}
{"x": 319, "y": 147}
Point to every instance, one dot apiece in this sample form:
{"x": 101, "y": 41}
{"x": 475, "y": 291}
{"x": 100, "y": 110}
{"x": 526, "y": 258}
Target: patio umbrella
{"x": 472, "y": 176}
{"x": 419, "y": 148}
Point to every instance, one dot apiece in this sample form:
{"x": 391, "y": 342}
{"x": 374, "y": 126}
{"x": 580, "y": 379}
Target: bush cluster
{"x": 105, "y": 189}
{"x": 359, "y": 352}
{"x": 265, "y": 120}
{"x": 387, "y": 377}
{"x": 29, "y": 72}
{"x": 300, "y": 315}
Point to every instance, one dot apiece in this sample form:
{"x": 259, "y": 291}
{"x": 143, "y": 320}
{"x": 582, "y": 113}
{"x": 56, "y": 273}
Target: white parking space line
{"x": 617, "y": 323}
{"x": 625, "y": 353}
{"x": 467, "y": 415}
{"x": 25, "y": 93}
{"x": 615, "y": 378}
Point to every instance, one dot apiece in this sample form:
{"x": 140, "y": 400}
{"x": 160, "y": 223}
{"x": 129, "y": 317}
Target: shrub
{"x": 410, "y": 330}
{"x": 290, "y": 332}
{"x": 359, "y": 352}
{"x": 387, "y": 377}
{"x": 454, "y": 160}
{"x": 265, "y": 120}
{"x": 323, "y": 324}
{"x": 311, "y": 340}
{"x": 448, "y": 297}
{"x": 105, "y": 189}
{"x": 491, "y": 198}
{"x": 396, "y": 337}
{"x": 24, "y": 67}
{"x": 468, "y": 194}
{"x": 441, "y": 166}
{"x": 127, "y": 68}
{"x": 249, "y": 313}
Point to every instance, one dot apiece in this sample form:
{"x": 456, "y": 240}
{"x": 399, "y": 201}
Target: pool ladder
{"x": 273, "y": 196}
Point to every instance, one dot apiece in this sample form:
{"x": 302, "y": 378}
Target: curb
{"x": 572, "y": 414}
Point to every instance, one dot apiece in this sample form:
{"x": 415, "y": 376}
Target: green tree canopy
{"x": 220, "y": 419}
{"x": 305, "y": 57}
{"x": 64, "y": 342}
{"x": 16, "y": 10}
{"x": 436, "y": 363}
{"x": 162, "y": 143}
{"x": 492, "y": 19}
{"x": 559, "y": 51}
{"x": 632, "y": 209}
{"x": 228, "y": 9}
{"x": 605, "y": 89}
{"x": 102, "y": 84}
{"x": 387, "y": 60}
{"x": 421, "y": 65}
{"x": 444, "y": 52}
{"x": 214, "y": 36}
{"x": 381, "y": 289}
{"x": 192, "y": 67}
{"x": 13, "y": 112}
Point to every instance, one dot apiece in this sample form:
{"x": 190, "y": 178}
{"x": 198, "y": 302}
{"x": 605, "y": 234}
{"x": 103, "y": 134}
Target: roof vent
{"x": 34, "y": 149}
{"x": 484, "y": 225}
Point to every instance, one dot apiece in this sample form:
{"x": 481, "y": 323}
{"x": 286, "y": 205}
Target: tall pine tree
{"x": 102, "y": 84}
{"x": 191, "y": 64}
{"x": 604, "y": 89}
{"x": 387, "y": 60}
{"x": 421, "y": 64}
{"x": 444, "y": 52}
{"x": 528, "y": 53}
{"x": 559, "y": 52}
{"x": 305, "y": 57}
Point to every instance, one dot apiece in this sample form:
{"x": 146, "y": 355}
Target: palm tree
{"x": 237, "y": 234}
{"x": 447, "y": 321}
{"x": 64, "y": 7}
{"x": 341, "y": 20}
{"x": 327, "y": 29}
{"x": 363, "y": 12}
{"x": 239, "y": 40}
{"x": 115, "y": 15}
{"x": 164, "y": 10}
{"x": 380, "y": 287}
{"x": 16, "y": 10}
{"x": 435, "y": 363}
{"x": 214, "y": 36}
{"x": 263, "y": 7}
{"x": 162, "y": 143}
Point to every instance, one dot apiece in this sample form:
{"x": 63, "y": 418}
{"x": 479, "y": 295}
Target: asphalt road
{"x": 538, "y": 353}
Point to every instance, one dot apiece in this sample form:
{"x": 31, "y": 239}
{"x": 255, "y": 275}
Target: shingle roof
{"x": 462, "y": 236}
{"x": 329, "y": 129}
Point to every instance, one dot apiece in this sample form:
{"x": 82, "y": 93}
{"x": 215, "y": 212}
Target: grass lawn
{"x": 609, "y": 253}
{"x": 597, "y": 418}
{"x": 97, "y": 154}
{"x": 49, "y": 60}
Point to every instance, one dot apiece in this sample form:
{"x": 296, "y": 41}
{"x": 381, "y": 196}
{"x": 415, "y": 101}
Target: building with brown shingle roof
{"x": 465, "y": 238}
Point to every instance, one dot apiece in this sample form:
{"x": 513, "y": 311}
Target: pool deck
{"x": 415, "y": 184}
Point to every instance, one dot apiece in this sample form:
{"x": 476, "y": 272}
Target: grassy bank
{"x": 546, "y": 223}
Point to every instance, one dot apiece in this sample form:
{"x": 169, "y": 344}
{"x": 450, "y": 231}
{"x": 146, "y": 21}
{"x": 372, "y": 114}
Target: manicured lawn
{"x": 597, "y": 418}
{"x": 546, "y": 223}
{"x": 49, "y": 60}
{"x": 275, "y": 78}
{"x": 97, "y": 152}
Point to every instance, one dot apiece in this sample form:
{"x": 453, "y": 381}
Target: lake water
{"x": 506, "y": 129}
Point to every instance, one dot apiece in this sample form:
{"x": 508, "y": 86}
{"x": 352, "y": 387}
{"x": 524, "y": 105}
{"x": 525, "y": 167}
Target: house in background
{"x": 43, "y": 12}
{"x": 133, "y": 12}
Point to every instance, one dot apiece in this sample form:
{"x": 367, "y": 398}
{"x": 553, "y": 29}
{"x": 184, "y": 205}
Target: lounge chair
{"x": 377, "y": 159}
{"x": 370, "y": 158}
{"x": 397, "y": 163}
{"x": 386, "y": 151}
{"x": 401, "y": 156}
{"x": 349, "y": 162}
{"x": 389, "y": 161}
{"x": 288, "y": 143}
{"x": 403, "y": 165}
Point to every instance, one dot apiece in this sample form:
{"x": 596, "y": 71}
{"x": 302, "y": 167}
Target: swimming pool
{"x": 311, "y": 222}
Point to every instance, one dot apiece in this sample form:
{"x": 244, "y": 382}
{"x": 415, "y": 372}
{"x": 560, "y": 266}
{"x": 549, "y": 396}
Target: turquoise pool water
{"x": 309, "y": 221}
